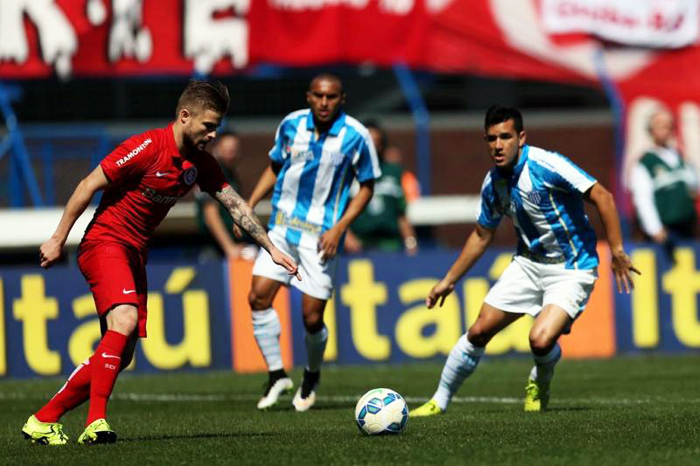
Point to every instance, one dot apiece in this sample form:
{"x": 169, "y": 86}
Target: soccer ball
{"x": 381, "y": 411}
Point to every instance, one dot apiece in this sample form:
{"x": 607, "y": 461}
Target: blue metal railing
{"x": 20, "y": 172}
{"x": 48, "y": 149}
{"x": 617, "y": 106}
{"x": 421, "y": 118}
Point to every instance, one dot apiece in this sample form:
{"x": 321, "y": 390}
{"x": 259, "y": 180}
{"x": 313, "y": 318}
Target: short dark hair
{"x": 499, "y": 114}
{"x": 201, "y": 94}
{"x": 327, "y": 77}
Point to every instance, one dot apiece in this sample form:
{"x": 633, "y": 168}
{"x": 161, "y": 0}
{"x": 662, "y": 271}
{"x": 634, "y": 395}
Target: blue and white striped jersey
{"x": 312, "y": 188}
{"x": 544, "y": 198}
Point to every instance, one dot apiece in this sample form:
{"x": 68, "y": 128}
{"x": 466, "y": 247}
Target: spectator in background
{"x": 383, "y": 224}
{"x": 664, "y": 187}
{"x": 409, "y": 182}
{"x": 214, "y": 221}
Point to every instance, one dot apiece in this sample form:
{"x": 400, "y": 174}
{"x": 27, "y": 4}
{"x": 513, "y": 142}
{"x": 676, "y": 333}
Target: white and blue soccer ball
{"x": 381, "y": 411}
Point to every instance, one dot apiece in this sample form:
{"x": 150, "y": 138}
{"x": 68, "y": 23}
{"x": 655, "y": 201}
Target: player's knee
{"x": 123, "y": 319}
{"x": 258, "y": 302}
{"x": 478, "y": 336}
{"x": 313, "y": 322}
{"x": 540, "y": 342}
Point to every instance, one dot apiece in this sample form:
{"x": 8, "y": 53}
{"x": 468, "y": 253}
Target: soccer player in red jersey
{"x": 141, "y": 179}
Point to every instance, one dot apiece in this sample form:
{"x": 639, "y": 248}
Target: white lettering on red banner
{"x": 436, "y": 6}
{"x": 128, "y": 38}
{"x": 57, "y": 35}
{"x": 209, "y": 39}
{"x": 397, "y": 7}
{"x": 299, "y": 5}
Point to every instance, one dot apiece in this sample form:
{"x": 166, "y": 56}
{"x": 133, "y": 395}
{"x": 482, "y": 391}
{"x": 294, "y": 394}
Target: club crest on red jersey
{"x": 190, "y": 175}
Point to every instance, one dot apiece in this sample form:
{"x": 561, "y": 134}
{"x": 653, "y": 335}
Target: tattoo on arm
{"x": 244, "y": 216}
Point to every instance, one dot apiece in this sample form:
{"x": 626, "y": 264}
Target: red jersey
{"x": 147, "y": 176}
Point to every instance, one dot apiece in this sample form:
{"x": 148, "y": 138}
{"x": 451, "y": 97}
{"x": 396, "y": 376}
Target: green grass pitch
{"x": 642, "y": 410}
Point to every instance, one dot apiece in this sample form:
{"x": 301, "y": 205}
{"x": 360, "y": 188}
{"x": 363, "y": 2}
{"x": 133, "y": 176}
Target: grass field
{"x": 626, "y": 411}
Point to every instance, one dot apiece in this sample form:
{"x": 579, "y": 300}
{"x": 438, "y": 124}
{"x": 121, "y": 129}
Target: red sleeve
{"x": 130, "y": 159}
{"x": 211, "y": 179}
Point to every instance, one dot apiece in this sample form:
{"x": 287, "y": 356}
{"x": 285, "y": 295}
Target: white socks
{"x": 267, "y": 329}
{"x": 543, "y": 370}
{"x": 463, "y": 359}
{"x": 315, "y": 347}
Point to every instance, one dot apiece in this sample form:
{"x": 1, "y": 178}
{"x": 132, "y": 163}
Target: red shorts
{"x": 117, "y": 275}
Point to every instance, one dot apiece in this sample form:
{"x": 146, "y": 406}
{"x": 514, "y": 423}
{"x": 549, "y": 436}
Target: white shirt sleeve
{"x": 643, "y": 198}
{"x": 572, "y": 174}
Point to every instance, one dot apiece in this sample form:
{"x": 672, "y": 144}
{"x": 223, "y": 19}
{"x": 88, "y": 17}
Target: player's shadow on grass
{"x": 195, "y": 436}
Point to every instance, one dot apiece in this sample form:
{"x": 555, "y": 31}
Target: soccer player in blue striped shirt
{"x": 554, "y": 268}
{"x": 317, "y": 154}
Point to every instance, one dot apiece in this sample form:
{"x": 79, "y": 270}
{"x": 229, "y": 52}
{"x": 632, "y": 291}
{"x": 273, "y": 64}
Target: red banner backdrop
{"x": 164, "y": 37}
{"x": 503, "y": 38}
{"x": 339, "y": 33}
{"x": 61, "y": 36}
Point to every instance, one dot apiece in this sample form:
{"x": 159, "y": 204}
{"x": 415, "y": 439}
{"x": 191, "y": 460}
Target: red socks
{"x": 105, "y": 364}
{"x": 73, "y": 393}
{"x": 92, "y": 379}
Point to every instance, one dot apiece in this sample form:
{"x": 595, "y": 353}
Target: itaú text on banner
{"x": 48, "y": 323}
{"x": 199, "y": 317}
{"x": 663, "y": 24}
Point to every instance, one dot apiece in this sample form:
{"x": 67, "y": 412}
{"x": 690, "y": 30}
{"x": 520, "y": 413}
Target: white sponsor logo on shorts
{"x": 125, "y": 291}
{"x": 105, "y": 355}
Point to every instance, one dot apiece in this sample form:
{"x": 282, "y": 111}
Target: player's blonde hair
{"x": 200, "y": 94}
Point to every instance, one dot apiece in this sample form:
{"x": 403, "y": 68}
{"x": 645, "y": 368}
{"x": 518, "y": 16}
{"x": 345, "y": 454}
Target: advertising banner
{"x": 665, "y": 24}
{"x": 662, "y": 313}
{"x": 48, "y": 323}
{"x": 378, "y": 313}
{"x": 199, "y": 317}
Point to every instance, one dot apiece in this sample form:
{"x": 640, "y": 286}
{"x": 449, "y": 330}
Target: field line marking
{"x": 183, "y": 397}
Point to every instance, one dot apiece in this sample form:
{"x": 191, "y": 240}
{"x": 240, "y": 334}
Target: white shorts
{"x": 317, "y": 278}
{"x": 526, "y": 287}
